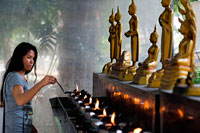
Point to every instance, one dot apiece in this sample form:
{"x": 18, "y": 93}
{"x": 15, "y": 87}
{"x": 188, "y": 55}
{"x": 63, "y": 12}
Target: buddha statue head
{"x": 166, "y": 3}
{"x": 132, "y": 8}
{"x": 184, "y": 27}
{"x": 118, "y": 15}
{"x": 184, "y": 3}
{"x": 112, "y": 17}
{"x": 154, "y": 36}
{"x": 188, "y": 25}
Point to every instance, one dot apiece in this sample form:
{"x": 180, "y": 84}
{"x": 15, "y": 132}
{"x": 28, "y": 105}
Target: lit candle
{"x": 110, "y": 127}
{"x": 104, "y": 114}
{"x": 136, "y": 130}
{"x": 96, "y": 105}
{"x": 90, "y": 102}
{"x": 76, "y": 89}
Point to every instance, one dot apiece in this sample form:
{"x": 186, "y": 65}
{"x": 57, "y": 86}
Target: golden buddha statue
{"x": 178, "y": 68}
{"x": 133, "y": 33}
{"x": 118, "y": 69}
{"x": 123, "y": 62}
{"x": 165, "y": 21}
{"x": 149, "y": 65}
{"x": 111, "y": 39}
{"x": 192, "y": 89}
{"x": 118, "y": 37}
{"x": 129, "y": 72}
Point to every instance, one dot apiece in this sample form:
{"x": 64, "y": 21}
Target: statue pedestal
{"x": 141, "y": 80}
{"x": 193, "y": 91}
{"x": 142, "y": 76}
{"x": 118, "y": 72}
{"x": 155, "y": 79}
{"x": 171, "y": 74}
{"x": 124, "y": 73}
{"x": 128, "y": 74}
{"x": 106, "y": 68}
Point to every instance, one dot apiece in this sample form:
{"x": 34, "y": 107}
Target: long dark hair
{"x": 15, "y": 63}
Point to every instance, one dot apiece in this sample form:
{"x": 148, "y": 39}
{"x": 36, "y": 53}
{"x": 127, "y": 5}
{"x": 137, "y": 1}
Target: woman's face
{"x": 28, "y": 60}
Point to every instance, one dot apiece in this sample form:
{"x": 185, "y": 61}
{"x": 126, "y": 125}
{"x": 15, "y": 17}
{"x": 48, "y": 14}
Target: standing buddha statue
{"x": 149, "y": 65}
{"x": 130, "y": 71}
{"x": 165, "y": 21}
{"x": 133, "y": 33}
{"x": 118, "y": 37}
{"x": 111, "y": 39}
{"x": 122, "y": 60}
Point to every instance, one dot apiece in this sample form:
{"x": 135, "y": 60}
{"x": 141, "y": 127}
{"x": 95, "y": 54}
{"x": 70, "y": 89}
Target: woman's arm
{"x": 22, "y": 97}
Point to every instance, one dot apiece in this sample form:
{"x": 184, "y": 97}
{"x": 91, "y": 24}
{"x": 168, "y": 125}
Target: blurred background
{"x": 72, "y": 40}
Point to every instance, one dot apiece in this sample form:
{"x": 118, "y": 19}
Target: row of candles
{"x": 101, "y": 119}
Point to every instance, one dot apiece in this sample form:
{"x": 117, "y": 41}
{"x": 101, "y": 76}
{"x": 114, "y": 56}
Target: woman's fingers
{"x": 51, "y": 79}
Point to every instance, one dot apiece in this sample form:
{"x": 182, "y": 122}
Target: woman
{"x": 15, "y": 90}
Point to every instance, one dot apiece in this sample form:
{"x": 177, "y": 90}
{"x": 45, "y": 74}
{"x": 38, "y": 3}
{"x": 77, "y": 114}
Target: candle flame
{"x": 137, "y": 130}
{"x": 146, "y": 105}
{"x": 117, "y": 93}
{"x": 97, "y": 104}
{"x": 137, "y": 100}
{"x": 163, "y": 109}
{"x": 180, "y": 112}
{"x": 77, "y": 90}
{"x": 113, "y": 118}
{"x": 113, "y": 88}
{"x": 104, "y": 112}
{"x": 190, "y": 117}
{"x": 90, "y": 102}
{"x": 126, "y": 96}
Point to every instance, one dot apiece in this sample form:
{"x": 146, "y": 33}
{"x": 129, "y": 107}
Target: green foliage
{"x": 34, "y": 19}
{"x": 197, "y": 76}
{"x": 48, "y": 42}
{"x": 43, "y": 19}
{"x": 178, "y": 3}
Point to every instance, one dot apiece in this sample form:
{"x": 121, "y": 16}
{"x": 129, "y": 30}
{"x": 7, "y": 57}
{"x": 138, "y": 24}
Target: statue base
{"x": 129, "y": 73}
{"x": 124, "y": 73}
{"x": 142, "y": 76}
{"x": 107, "y": 67}
{"x": 186, "y": 90}
{"x": 172, "y": 74}
{"x": 155, "y": 79}
{"x": 193, "y": 90}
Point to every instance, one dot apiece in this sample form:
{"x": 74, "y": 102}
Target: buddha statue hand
{"x": 127, "y": 34}
{"x": 167, "y": 62}
{"x": 160, "y": 20}
{"x": 140, "y": 64}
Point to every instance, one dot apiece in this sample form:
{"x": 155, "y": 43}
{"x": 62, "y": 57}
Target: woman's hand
{"x": 48, "y": 80}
